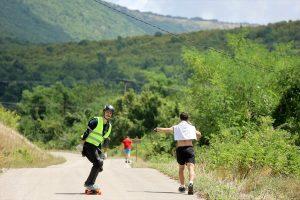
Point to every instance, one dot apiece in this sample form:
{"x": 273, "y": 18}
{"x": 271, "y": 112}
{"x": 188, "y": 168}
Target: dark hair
{"x": 184, "y": 116}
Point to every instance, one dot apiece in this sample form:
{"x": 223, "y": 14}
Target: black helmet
{"x": 109, "y": 107}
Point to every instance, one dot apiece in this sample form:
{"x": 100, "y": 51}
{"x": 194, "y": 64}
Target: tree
{"x": 227, "y": 92}
{"x": 102, "y": 62}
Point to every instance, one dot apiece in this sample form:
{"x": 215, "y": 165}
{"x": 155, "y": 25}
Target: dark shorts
{"x": 93, "y": 153}
{"x": 185, "y": 155}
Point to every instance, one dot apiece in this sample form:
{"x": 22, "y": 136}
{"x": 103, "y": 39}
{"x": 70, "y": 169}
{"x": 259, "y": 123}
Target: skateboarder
{"x": 184, "y": 133}
{"x": 97, "y": 132}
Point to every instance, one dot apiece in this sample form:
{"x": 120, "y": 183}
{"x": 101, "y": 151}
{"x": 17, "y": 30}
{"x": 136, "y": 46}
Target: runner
{"x": 127, "y": 142}
{"x": 184, "y": 134}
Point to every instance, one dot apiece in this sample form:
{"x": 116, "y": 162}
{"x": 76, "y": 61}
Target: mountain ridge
{"x": 64, "y": 21}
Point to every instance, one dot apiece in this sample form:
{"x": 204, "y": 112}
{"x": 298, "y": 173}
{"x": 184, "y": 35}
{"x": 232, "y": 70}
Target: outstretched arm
{"x": 165, "y": 130}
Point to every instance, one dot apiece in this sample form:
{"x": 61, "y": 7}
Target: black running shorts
{"x": 185, "y": 155}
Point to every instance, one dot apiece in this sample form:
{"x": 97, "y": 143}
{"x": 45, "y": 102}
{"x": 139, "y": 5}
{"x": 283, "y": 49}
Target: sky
{"x": 251, "y": 11}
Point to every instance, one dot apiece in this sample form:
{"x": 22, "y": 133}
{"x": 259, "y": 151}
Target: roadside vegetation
{"x": 244, "y": 153}
{"x": 15, "y": 150}
{"x": 212, "y": 184}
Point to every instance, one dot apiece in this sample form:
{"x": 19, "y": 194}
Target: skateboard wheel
{"x": 89, "y": 192}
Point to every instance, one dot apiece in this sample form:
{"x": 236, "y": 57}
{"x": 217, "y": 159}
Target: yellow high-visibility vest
{"x": 96, "y": 137}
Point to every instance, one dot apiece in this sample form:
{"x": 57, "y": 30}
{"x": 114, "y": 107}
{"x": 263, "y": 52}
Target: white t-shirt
{"x": 184, "y": 131}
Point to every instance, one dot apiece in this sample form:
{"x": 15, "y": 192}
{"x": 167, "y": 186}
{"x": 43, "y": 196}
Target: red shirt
{"x": 127, "y": 143}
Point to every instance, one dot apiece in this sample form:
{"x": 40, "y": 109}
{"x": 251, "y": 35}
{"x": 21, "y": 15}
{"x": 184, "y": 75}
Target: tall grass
{"x": 212, "y": 184}
{"x": 16, "y": 150}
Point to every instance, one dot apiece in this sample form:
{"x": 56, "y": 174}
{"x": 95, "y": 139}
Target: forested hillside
{"x": 75, "y": 20}
{"x": 143, "y": 60}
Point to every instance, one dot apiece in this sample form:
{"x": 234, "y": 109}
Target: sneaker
{"x": 190, "y": 189}
{"x": 91, "y": 187}
{"x": 181, "y": 189}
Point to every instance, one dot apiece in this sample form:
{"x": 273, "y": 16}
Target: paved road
{"x": 118, "y": 181}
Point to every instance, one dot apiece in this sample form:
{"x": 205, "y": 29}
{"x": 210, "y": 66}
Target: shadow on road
{"x": 69, "y": 193}
{"x": 146, "y": 191}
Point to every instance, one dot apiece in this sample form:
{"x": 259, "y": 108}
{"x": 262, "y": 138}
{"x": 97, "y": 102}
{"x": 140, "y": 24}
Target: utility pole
{"x": 126, "y": 82}
{"x": 136, "y": 141}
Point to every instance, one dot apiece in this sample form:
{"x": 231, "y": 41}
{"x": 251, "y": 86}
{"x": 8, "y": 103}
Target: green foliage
{"x": 23, "y": 154}
{"x": 139, "y": 59}
{"x": 234, "y": 91}
{"x": 9, "y": 118}
{"x": 229, "y": 97}
{"x": 244, "y": 150}
{"x": 139, "y": 114}
{"x": 56, "y": 116}
{"x": 157, "y": 147}
{"x": 287, "y": 113}
{"x": 282, "y": 32}
{"x": 158, "y": 34}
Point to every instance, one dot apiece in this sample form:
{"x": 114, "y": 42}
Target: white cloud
{"x": 132, "y": 4}
{"x": 253, "y": 11}
{"x": 207, "y": 15}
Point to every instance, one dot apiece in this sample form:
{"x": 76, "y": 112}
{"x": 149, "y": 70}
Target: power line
{"x": 24, "y": 81}
{"x": 133, "y": 17}
{"x": 35, "y": 104}
{"x": 126, "y": 83}
{"x": 84, "y": 81}
{"x": 8, "y": 102}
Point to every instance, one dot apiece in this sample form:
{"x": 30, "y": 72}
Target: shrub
{"x": 243, "y": 150}
{"x": 158, "y": 34}
{"x": 9, "y": 118}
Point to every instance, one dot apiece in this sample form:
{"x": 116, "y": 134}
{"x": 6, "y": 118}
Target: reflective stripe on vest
{"x": 95, "y": 137}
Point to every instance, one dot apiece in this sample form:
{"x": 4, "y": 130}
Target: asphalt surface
{"x": 118, "y": 181}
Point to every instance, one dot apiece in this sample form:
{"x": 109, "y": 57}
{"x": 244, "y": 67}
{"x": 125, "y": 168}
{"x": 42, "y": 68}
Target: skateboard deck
{"x": 93, "y": 192}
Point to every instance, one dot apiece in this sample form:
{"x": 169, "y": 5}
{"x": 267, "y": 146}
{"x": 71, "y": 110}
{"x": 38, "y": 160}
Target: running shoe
{"x": 190, "y": 189}
{"x": 181, "y": 189}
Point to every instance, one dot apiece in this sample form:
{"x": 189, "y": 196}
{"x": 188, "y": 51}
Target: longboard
{"x": 93, "y": 192}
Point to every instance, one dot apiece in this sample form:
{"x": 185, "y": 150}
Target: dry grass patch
{"x": 16, "y": 151}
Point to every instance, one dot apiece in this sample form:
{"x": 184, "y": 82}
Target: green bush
{"x": 157, "y": 146}
{"x": 56, "y": 116}
{"x": 137, "y": 114}
{"x": 243, "y": 150}
{"x": 233, "y": 90}
{"x": 9, "y": 118}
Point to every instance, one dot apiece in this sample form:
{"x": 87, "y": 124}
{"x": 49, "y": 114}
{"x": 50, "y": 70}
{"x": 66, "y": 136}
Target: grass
{"x": 17, "y": 152}
{"x": 213, "y": 185}
{"x": 221, "y": 184}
